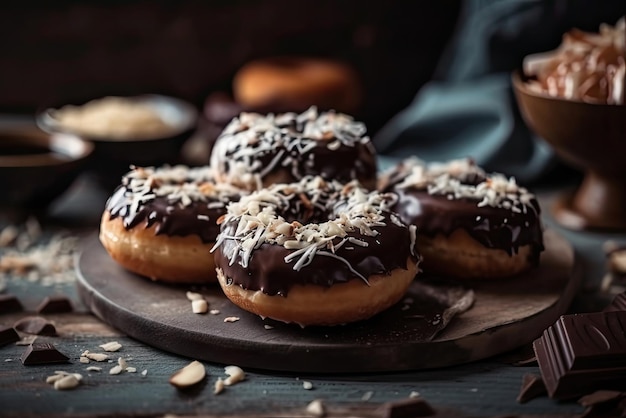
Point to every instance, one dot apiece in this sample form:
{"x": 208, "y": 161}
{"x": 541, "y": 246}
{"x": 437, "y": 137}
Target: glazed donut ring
{"x": 472, "y": 225}
{"x": 256, "y": 151}
{"x": 297, "y": 83}
{"x": 161, "y": 223}
{"x": 348, "y": 259}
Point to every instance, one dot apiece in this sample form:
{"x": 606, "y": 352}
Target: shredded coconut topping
{"x": 349, "y": 211}
{"x": 180, "y": 185}
{"x": 285, "y": 137}
{"x": 462, "y": 179}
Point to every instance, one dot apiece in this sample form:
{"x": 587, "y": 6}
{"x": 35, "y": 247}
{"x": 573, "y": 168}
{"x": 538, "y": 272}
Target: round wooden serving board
{"x": 506, "y": 314}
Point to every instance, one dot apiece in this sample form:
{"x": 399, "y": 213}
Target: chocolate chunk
{"x": 8, "y": 335}
{"x": 9, "y": 303}
{"x": 35, "y": 325}
{"x": 601, "y": 396}
{"x": 618, "y": 303}
{"x": 583, "y": 353}
{"x": 407, "y": 408}
{"x": 55, "y": 304}
{"x": 603, "y": 403}
{"x": 42, "y": 353}
{"x": 532, "y": 387}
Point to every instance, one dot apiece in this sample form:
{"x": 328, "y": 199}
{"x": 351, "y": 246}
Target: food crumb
{"x": 231, "y": 319}
{"x": 219, "y": 386}
{"x": 307, "y": 385}
{"x": 367, "y": 396}
{"x": 316, "y": 408}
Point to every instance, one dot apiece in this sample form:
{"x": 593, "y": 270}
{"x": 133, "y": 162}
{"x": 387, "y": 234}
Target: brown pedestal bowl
{"x": 591, "y": 137}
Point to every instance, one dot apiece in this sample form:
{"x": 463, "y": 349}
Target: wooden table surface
{"x": 487, "y": 388}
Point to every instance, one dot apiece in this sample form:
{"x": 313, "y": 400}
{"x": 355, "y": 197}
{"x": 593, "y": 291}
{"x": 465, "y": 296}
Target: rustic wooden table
{"x": 486, "y": 388}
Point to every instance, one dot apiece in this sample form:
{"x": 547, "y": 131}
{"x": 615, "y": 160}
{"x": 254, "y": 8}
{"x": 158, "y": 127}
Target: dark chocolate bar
{"x": 582, "y": 353}
{"x": 42, "y": 353}
{"x": 55, "y": 304}
{"x": 9, "y": 303}
{"x": 8, "y": 335}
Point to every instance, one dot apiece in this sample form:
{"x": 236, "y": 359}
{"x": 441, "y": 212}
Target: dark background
{"x": 57, "y": 52}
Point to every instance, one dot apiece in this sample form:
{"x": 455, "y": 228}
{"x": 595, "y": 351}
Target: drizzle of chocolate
{"x": 169, "y": 218}
{"x": 493, "y": 227}
{"x": 268, "y": 272}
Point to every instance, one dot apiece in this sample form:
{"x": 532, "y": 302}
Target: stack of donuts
{"x": 293, "y": 222}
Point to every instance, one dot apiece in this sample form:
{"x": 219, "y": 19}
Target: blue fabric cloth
{"x": 468, "y": 109}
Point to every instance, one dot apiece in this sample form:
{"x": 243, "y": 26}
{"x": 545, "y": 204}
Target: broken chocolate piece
{"x": 42, "y": 353}
{"x": 55, "y": 304}
{"x": 407, "y": 408}
{"x": 532, "y": 387}
{"x": 601, "y": 396}
{"x": 582, "y": 353}
{"x": 9, "y": 303}
{"x": 618, "y": 303}
{"x": 602, "y": 404}
{"x": 8, "y": 335}
{"x": 35, "y": 325}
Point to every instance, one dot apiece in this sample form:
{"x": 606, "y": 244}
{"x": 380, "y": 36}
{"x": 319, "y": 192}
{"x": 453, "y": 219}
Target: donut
{"x": 315, "y": 253}
{"x": 161, "y": 222}
{"x": 297, "y": 83}
{"x": 472, "y": 225}
{"x": 256, "y": 151}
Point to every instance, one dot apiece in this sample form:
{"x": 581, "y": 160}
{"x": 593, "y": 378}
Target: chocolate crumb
{"x": 8, "y": 335}
{"x": 35, "y": 325}
{"x": 9, "y": 303}
{"x": 532, "y": 387}
{"x": 55, "y": 304}
{"x": 42, "y": 353}
{"x": 407, "y": 408}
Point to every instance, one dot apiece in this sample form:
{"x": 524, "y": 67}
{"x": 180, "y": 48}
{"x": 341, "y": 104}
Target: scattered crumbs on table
{"x": 214, "y": 311}
{"x": 414, "y": 394}
{"x": 307, "y": 385}
{"x": 144, "y": 373}
{"x": 268, "y": 327}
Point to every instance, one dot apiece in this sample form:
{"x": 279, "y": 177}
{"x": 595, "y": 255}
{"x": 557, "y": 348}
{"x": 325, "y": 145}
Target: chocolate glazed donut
{"x": 256, "y": 151}
{"x": 161, "y": 223}
{"x": 471, "y": 224}
{"x": 315, "y": 253}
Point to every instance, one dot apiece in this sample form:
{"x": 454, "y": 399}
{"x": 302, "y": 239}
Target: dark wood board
{"x": 505, "y": 315}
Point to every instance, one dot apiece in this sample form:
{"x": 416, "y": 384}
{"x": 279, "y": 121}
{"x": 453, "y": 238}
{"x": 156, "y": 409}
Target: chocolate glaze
{"x": 493, "y": 227}
{"x": 268, "y": 272}
{"x": 181, "y": 221}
